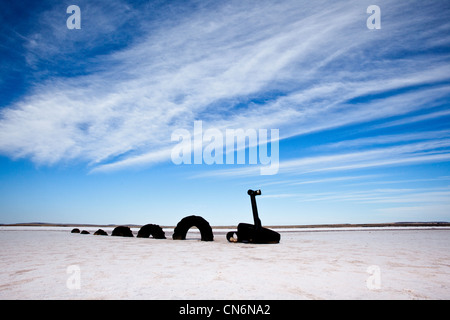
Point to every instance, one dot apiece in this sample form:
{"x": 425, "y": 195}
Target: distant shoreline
{"x": 339, "y": 225}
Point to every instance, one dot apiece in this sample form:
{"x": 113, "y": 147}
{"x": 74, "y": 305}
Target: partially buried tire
{"x": 151, "y": 230}
{"x": 193, "y": 221}
{"x": 122, "y": 231}
{"x": 100, "y": 232}
{"x": 249, "y": 233}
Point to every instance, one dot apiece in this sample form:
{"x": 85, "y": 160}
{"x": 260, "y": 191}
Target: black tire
{"x": 193, "y": 221}
{"x": 249, "y": 233}
{"x": 232, "y": 236}
{"x": 151, "y": 230}
{"x": 76, "y": 230}
{"x": 122, "y": 231}
{"x": 100, "y": 232}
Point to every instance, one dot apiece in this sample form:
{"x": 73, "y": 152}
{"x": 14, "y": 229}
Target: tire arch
{"x": 122, "y": 231}
{"x": 151, "y": 230}
{"x": 193, "y": 221}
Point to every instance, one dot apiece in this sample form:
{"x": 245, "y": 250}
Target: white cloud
{"x": 385, "y": 139}
{"x": 306, "y": 60}
{"x": 405, "y": 195}
{"x": 427, "y": 151}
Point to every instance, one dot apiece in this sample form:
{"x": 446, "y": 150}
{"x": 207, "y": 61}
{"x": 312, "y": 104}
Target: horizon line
{"x": 329, "y": 225}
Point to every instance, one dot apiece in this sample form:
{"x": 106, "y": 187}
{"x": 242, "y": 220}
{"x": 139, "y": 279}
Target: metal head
{"x": 254, "y": 192}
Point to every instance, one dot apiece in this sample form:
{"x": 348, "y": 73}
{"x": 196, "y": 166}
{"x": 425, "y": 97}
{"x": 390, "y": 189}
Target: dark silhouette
{"x": 122, "y": 231}
{"x": 193, "y": 221}
{"x": 151, "y": 230}
{"x": 100, "y": 232}
{"x": 253, "y": 233}
{"x": 76, "y": 230}
{"x": 85, "y": 232}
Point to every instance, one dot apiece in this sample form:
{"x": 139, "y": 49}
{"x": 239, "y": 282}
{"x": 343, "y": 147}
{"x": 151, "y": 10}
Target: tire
{"x": 248, "y": 233}
{"x": 100, "y": 232}
{"x": 232, "y": 236}
{"x": 122, "y": 231}
{"x": 151, "y": 230}
{"x": 193, "y": 221}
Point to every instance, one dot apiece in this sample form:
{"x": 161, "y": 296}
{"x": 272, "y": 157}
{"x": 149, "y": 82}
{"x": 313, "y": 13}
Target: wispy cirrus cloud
{"x": 298, "y": 66}
{"x": 363, "y": 153}
{"x": 383, "y": 196}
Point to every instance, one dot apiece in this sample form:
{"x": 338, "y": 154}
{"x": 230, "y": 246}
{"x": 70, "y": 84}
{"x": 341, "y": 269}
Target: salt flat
{"x": 52, "y": 263}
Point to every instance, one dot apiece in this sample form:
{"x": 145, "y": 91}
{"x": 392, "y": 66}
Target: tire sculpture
{"x": 100, "y": 232}
{"x": 122, "y": 231}
{"x": 193, "y": 221}
{"x": 248, "y": 233}
{"x": 253, "y": 233}
{"x": 151, "y": 230}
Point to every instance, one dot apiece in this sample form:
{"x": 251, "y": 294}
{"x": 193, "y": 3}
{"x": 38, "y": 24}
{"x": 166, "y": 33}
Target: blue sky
{"x": 86, "y": 116}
